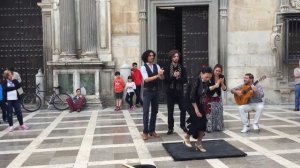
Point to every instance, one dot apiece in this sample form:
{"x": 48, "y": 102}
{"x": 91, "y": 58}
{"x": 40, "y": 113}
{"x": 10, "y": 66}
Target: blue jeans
{"x": 150, "y": 98}
{"x": 297, "y": 96}
{"x": 17, "y": 106}
{"x": 138, "y": 95}
{"x": 4, "y": 110}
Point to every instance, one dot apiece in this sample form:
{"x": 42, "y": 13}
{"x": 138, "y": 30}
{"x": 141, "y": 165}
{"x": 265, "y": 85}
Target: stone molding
{"x": 281, "y": 71}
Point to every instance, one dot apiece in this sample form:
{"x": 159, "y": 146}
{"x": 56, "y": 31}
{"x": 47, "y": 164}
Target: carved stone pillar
{"x": 223, "y": 38}
{"x": 67, "y": 27}
{"x": 103, "y": 30}
{"x": 47, "y": 9}
{"x": 77, "y": 23}
{"x": 284, "y": 6}
{"x": 143, "y": 24}
{"x": 56, "y": 30}
{"x": 223, "y": 33}
{"x": 88, "y": 27}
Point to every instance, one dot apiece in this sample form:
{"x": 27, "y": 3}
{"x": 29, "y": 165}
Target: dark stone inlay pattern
{"x": 111, "y": 122}
{"x": 119, "y": 153}
{"x": 109, "y": 130}
{"x": 51, "y": 158}
{"x": 5, "y": 159}
{"x": 76, "y": 118}
{"x": 251, "y": 162}
{"x": 67, "y": 132}
{"x": 73, "y": 124}
{"x": 17, "y": 145}
{"x": 289, "y": 130}
{"x": 40, "y": 120}
{"x": 21, "y": 134}
{"x": 184, "y": 164}
{"x": 110, "y": 140}
{"x": 277, "y": 144}
{"x": 60, "y": 143}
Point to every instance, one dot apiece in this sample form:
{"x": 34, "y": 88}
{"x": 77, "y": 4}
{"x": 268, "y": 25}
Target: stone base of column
{"x": 89, "y": 54}
{"x": 105, "y": 57}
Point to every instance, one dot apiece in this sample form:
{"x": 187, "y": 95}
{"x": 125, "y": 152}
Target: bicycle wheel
{"x": 31, "y": 102}
{"x": 60, "y": 101}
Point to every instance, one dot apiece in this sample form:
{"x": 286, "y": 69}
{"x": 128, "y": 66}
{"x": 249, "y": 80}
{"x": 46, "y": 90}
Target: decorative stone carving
{"x": 276, "y": 46}
{"x": 295, "y": 4}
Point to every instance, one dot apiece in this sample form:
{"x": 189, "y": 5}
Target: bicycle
{"x": 32, "y": 102}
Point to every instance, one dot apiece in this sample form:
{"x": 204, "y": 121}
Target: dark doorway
{"x": 184, "y": 29}
{"x": 21, "y": 39}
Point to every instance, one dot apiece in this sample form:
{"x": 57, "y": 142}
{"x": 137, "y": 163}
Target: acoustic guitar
{"x": 246, "y": 94}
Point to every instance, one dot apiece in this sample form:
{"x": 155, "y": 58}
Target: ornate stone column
{"x": 284, "y": 6}
{"x": 67, "y": 27}
{"x": 143, "y": 24}
{"x": 88, "y": 29}
{"x": 103, "y": 30}
{"x": 223, "y": 33}
{"x": 47, "y": 21}
{"x": 223, "y": 38}
{"x": 77, "y": 23}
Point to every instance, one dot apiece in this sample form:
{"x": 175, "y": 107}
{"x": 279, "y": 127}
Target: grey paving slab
{"x": 5, "y": 159}
{"x": 60, "y": 143}
{"x": 183, "y": 164}
{"x": 14, "y": 145}
{"x": 67, "y": 132}
{"x": 20, "y": 134}
{"x": 106, "y": 154}
{"x": 72, "y": 124}
{"x": 251, "y": 162}
{"x": 110, "y": 130}
{"x": 111, "y": 140}
{"x": 278, "y": 144}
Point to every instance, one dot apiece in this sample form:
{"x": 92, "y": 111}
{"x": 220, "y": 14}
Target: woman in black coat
{"x": 12, "y": 97}
{"x": 197, "y": 120}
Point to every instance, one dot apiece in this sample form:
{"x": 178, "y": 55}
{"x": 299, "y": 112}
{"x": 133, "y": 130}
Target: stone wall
{"x": 125, "y": 32}
{"x": 249, "y": 45}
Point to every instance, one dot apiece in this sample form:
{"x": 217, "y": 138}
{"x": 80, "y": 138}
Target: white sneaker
{"x": 11, "y": 128}
{"x": 255, "y": 126}
{"x": 245, "y": 129}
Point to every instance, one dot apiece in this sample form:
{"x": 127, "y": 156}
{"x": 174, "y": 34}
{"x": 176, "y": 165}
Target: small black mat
{"x": 215, "y": 149}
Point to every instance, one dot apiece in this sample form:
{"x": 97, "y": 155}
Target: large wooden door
{"x": 194, "y": 39}
{"x": 184, "y": 29}
{"x": 21, "y": 40}
{"x": 166, "y": 41}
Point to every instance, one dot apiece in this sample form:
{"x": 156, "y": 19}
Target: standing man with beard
{"x": 175, "y": 78}
{"x": 151, "y": 73}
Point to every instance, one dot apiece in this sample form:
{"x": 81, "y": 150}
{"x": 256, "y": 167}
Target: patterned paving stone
{"x": 108, "y": 138}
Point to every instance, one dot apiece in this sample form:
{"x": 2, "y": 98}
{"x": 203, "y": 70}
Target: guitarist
{"x": 254, "y": 103}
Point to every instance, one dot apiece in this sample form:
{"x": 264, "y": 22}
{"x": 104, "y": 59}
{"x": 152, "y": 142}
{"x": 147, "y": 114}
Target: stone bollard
{"x": 40, "y": 80}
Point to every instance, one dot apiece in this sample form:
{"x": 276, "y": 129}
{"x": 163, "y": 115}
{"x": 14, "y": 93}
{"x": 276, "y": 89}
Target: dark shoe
{"x": 154, "y": 134}
{"x": 184, "y": 129}
{"x": 70, "y": 110}
{"x": 78, "y": 110}
{"x": 170, "y": 131}
{"x": 296, "y": 109}
{"x": 145, "y": 136}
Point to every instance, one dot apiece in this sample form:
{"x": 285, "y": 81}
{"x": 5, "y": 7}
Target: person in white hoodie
{"x": 297, "y": 86}
{"x": 129, "y": 88}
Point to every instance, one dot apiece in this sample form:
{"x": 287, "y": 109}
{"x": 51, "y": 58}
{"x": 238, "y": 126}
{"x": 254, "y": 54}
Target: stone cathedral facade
{"x": 86, "y": 41}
